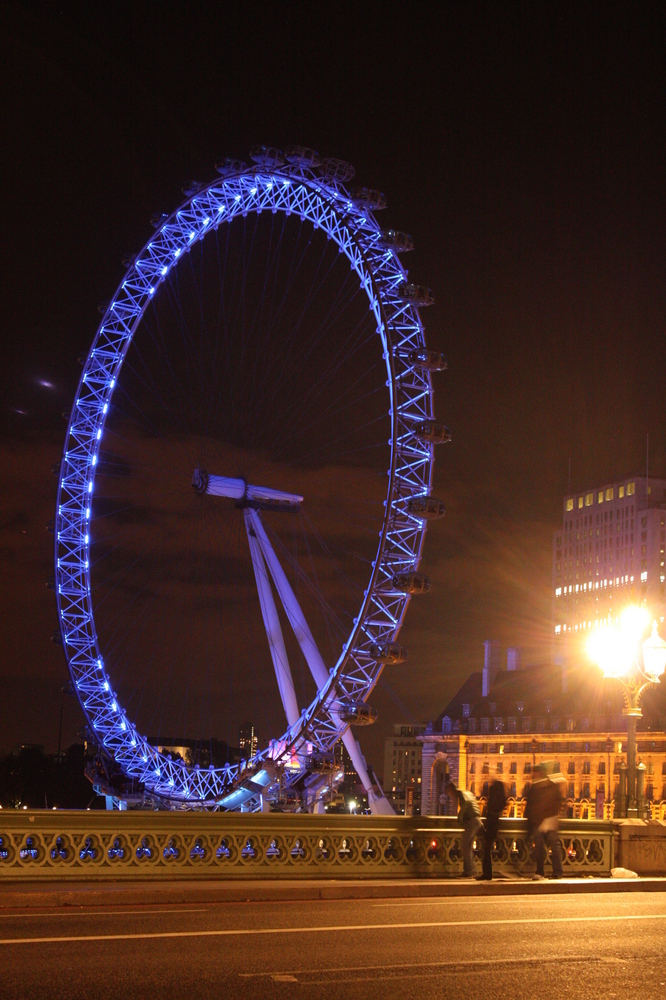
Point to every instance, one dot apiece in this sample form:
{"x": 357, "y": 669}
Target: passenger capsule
{"x": 320, "y": 762}
{"x": 432, "y": 361}
{"x": 389, "y": 653}
{"x": 190, "y": 188}
{"x": 158, "y": 219}
{"x": 366, "y": 198}
{"x": 357, "y": 713}
{"x": 411, "y": 583}
{"x": 228, "y": 166}
{"x": 431, "y": 432}
{"x": 50, "y": 583}
{"x": 391, "y": 239}
{"x": 103, "y": 306}
{"x": 267, "y": 156}
{"x": 417, "y": 295}
{"x": 128, "y": 259}
{"x": 426, "y": 508}
{"x": 56, "y": 638}
{"x": 301, "y": 156}
{"x": 82, "y": 358}
{"x": 50, "y": 526}
{"x": 55, "y": 469}
{"x": 336, "y": 170}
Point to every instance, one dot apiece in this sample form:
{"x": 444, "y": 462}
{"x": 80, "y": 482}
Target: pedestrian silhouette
{"x": 469, "y": 817}
{"x": 542, "y": 811}
{"x": 495, "y": 808}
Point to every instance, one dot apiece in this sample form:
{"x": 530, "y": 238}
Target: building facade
{"x": 402, "y": 769}
{"x": 504, "y": 721}
{"x": 608, "y": 553}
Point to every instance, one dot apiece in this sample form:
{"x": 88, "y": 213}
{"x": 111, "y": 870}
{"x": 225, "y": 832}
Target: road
{"x": 523, "y": 947}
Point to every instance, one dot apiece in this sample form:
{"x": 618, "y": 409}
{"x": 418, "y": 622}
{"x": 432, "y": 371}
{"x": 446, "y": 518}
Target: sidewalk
{"x": 19, "y": 895}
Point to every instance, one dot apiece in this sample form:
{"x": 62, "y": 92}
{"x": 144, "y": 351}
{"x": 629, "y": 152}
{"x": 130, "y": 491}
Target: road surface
{"x": 520, "y": 947}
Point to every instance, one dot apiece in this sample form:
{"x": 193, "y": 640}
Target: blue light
{"x": 114, "y": 706}
{"x": 112, "y": 382}
{"x": 237, "y": 197}
{"x": 94, "y": 460}
{"x": 191, "y": 236}
{"x": 177, "y": 253}
{"x": 104, "y": 409}
{"x": 87, "y": 539}
{"x": 152, "y": 290}
{"x": 99, "y": 664}
{"x": 220, "y": 208}
{"x": 106, "y": 685}
{"x": 89, "y": 487}
{"x": 123, "y": 726}
{"x": 99, "y": 432}
{"x": 206, "y": 221}
{"x": 87, "y": 513}
{"x": 270, "y": 185}
{"x": 164, "y": 270}
{"x": 253, "y": 190}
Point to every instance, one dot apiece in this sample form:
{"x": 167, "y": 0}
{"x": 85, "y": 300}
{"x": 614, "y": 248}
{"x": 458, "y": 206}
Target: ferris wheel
{"x": 246, "y": 482}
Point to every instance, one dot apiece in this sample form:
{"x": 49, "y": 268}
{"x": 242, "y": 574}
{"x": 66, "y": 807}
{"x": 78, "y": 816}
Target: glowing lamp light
{"x": 654, "y": 654}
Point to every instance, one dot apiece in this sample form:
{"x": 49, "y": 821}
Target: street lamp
{"x": 614, "y": 648}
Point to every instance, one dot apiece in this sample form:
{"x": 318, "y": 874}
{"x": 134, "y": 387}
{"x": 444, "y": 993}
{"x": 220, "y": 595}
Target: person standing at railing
{"x": 542, "y": 811}
{"x": 495, "y": 808}
{"x": 469, "y": 817}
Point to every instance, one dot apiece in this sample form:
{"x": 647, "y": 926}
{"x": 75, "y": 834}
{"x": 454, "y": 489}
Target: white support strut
{"x": 312, "y": 655}
{"x": 272, "y": 626}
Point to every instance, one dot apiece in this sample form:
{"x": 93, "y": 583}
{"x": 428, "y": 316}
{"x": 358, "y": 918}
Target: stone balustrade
{"x": 42, "y": 844}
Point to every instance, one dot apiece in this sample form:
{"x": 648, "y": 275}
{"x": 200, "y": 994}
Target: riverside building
{"x": 608, "y": 553}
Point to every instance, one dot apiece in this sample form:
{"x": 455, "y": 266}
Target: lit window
{"x": 631, "y": 489}
{"x": 580, "y": 502}
{"x": 558, "y": 629}
{"x": 609, "y": 493}
{"x": 644, "y": 577}
{"x": 558, "y": 592}
{"x": 620, "y": 492}
{"x": 570, "y": 503}
{"x": 600, "y": 498}
{"x": 589, "y": 499}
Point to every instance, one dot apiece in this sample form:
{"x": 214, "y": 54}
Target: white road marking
{"x": 455, "y": 963}
{"x": 20, "y": 915}
{"x": 329, "y": 929}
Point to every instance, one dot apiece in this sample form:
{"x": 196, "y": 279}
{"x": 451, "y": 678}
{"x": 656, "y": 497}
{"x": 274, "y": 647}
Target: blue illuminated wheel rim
{"x": 313, "y": 191}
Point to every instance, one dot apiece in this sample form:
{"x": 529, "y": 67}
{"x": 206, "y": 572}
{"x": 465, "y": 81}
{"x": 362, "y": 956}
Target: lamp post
{"x": 614, "y": 648}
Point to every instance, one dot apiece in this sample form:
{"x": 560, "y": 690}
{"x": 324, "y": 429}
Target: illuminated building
{"x": 609, "y": 552}
{"x": 402, "y": 769}
{"x": 248, "y": 740}
{"x": 542, "y": 713}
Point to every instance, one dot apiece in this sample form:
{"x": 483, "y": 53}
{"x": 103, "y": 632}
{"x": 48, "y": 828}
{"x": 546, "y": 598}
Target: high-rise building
{"x": 402, "y": 768}
{"x": 609, "y": 553}
{"x": 247, "y": 740}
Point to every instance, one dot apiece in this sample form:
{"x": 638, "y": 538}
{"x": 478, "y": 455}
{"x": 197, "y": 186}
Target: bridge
{"x": 76, "y": 845}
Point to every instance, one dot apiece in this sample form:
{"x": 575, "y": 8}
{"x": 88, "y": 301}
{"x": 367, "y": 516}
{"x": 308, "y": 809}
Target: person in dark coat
{"x": 495, "y": 808}
{"x": 542, "y": 810}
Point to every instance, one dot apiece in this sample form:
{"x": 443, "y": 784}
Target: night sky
{"x": 523, "y": 147}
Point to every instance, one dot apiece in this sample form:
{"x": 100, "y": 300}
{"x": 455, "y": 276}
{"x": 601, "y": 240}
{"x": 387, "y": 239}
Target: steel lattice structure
{"x": 312, "y": 189}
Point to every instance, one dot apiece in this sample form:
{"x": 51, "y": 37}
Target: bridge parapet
{"x": 42, "y": 844}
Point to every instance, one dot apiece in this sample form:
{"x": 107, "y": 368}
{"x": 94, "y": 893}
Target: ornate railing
{"x": 77, "y": 845}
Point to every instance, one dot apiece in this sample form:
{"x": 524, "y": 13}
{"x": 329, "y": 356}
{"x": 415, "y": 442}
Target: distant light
{"x": 47, "y": 385}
